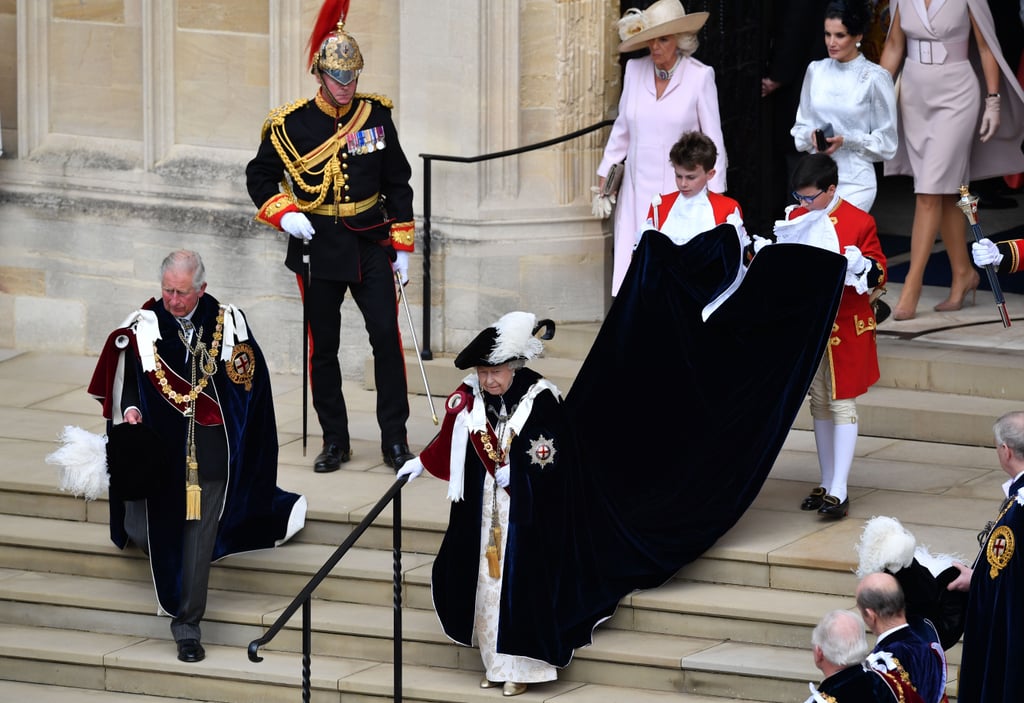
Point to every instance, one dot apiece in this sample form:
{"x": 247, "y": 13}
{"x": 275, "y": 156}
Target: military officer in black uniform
{"x": 331, "y": 173}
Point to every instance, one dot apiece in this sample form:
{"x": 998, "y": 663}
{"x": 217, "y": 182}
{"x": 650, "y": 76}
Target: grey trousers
{"x": 197, "y": 549}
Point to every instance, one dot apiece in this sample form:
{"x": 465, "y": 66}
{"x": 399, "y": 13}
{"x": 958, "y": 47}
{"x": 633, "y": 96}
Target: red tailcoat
{"x": 852, "y": 351}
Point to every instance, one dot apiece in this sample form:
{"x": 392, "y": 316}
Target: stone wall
{"x": 127, "y": 125}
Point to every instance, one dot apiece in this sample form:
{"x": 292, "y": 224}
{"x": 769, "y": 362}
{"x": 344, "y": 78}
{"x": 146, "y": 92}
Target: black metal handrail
{"x": 428, "y": 159}
{"x": 304, "y": 598}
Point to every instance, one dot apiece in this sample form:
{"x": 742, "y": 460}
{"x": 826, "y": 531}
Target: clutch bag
{"x": 614, "y": 179}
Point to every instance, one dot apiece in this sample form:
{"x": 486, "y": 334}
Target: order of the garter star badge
{"x": 242, "y": 365}
{"x": 542, "y": 451}
{"x": 999, "y": 550}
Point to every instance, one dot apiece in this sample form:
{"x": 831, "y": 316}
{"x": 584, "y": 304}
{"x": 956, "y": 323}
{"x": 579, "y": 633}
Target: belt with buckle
{"x": 341, "y": 209}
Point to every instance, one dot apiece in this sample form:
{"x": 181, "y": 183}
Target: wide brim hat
{"x": 661, "y": 19}
{"x": 508, "y": 339}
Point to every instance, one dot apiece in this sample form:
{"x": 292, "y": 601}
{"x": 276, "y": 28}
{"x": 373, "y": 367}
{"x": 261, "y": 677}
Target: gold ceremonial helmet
{"x": 333, "y": 50}
{"x": 339, "y": 56}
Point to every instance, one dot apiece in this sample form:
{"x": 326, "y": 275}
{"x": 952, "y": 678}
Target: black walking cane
{"x": 969, "y": 205}
{"x": 305, "y": 339}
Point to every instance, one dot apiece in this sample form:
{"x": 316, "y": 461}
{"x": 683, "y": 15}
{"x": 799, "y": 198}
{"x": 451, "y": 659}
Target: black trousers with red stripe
{"x": 375, "y": 297}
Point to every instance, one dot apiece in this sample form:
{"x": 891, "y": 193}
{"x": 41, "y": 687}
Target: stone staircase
{"x": 78, "y": 622}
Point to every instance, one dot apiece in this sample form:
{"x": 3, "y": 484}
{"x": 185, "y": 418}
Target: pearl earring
{"x": 858, "y": 45}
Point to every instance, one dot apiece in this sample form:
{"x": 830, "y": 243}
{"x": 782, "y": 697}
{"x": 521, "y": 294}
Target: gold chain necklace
{"x": 209, "y": 364}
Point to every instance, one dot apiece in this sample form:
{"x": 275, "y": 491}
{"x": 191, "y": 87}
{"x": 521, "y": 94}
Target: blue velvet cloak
{"x": 256, "y": 512}
{"x": 537, "y": 531}
{"x": 679, "y": 421}
{"x": 994, "y": 629}
{"x": 919, "y": 652}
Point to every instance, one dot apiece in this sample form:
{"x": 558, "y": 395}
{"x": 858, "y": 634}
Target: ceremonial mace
{"x": 969, "y": 205}
{"x": 416, "y": 344}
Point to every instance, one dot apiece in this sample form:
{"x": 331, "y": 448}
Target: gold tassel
{"x": 193, "y": 492}
{"x": 493, "y": 567}
{"x": 496, "y": 540}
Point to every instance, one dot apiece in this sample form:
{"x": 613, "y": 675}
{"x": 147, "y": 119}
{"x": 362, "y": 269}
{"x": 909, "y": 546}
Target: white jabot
{"x": 813, "y": 227}
{"x": 688, "y": 218}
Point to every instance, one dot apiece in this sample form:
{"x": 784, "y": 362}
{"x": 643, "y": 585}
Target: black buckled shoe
{"x": 190, "y": 651}
{"x": 396, "y": 455}
{"x": 832, "y": 508}
{"x": 814, "y": 500}
{"x": 331, "y": 458}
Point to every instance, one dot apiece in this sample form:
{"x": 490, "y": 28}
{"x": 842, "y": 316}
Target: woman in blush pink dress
{"x": 955, "y": 126}
{"x": 664, "y": 94}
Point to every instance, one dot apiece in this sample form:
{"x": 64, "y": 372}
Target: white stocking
{"x": 845, "y": 443}
{"x": 823, "y": 441}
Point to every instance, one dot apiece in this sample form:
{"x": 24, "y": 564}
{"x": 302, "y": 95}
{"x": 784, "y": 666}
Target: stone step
{"x": 147, "y": 667}
{"x": 43, "y": 693}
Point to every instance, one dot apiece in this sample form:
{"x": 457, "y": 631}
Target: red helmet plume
{"x": 332, "y": 13}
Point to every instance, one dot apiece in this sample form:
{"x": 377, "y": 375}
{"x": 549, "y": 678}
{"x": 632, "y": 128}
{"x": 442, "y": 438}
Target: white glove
{"x": 760, "y": 243}
{"x": 855, "y": 261}
{"x": 401, "y": 266}
{"x": 989, "y": 118}
{"x": 297, "y": 225}
{"x": 602, "y": 205}
{"x": 985, "y": 252}
{"x": 411, "y": 468}
{"x": 501, "y": 476}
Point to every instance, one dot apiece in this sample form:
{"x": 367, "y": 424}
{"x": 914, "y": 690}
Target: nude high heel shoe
{"x": 951, "y": 305}
{"x": 905, "y": 312}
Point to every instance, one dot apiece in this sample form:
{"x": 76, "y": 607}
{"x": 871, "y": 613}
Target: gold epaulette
{"x": 278, "y": 114}
{"x": 377, "y": 98}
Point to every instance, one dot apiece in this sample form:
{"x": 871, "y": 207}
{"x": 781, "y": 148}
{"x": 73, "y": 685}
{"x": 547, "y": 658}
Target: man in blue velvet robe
{"x": 990, "y": 667}
{"x": 910, "y": 647}
{"x": 192, "y": 448}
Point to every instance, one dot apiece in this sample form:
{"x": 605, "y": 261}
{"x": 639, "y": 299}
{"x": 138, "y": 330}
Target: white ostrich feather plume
{"x": 885, "y": 545}
{"x": 515, "y": 338}
{"x": 82, "y": 462}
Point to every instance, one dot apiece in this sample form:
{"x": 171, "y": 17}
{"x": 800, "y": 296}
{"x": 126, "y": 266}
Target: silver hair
{"x": 185, "y": 260}
{"x": 687, "y": 43}
{"x": 1009, "y": 430}
{"x": 840, "y": 637}
{"x": 516, "y": 364}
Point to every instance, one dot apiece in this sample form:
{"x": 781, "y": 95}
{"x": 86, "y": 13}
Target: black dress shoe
{"x": 396, "y": 455}
{"x": 814, "y": 500}
{"x": 331, "y": 458}
{"x": 832, "y": 508}
{"x": 191, "y": 651}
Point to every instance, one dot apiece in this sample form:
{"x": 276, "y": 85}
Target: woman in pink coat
{"x": 664, "y": 94}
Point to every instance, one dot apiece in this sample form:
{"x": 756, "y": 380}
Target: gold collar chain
{"x": 497, "y": 457}
{"x": 209, "y": 367}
